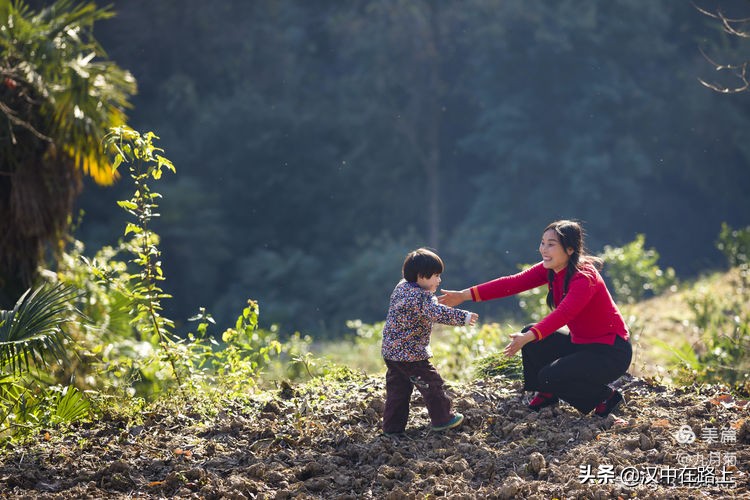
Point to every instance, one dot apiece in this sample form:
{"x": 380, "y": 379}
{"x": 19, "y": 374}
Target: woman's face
{"x": 554, "y": 256}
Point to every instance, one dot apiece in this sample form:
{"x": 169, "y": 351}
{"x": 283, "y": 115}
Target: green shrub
{"x": 723, "y": 322}
{"x": 633, "y": 272}
{"x": 734, "y": 244}
{"x": 723, "y": 354}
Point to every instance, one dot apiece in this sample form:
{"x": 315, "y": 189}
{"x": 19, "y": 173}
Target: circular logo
{"x": 685, "y": 435}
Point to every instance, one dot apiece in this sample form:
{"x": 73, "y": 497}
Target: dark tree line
{"x": 316, "y": 142}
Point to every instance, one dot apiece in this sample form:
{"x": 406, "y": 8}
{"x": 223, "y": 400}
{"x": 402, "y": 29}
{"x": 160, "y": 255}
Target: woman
{"x": 576, "y": 368}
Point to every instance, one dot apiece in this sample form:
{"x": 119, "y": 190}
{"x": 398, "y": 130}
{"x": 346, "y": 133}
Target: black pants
{"x": 576, "y": 373}
{"x": 400, "y": 380}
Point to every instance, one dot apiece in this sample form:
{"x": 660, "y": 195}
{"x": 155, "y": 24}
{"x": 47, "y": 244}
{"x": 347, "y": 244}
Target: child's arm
{"x": 438, "y": 313}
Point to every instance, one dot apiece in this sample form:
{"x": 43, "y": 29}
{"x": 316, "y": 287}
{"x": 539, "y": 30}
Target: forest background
{"x": 316, "y": 142}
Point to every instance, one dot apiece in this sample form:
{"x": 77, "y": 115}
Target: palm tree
{"x": 58, "y": 97}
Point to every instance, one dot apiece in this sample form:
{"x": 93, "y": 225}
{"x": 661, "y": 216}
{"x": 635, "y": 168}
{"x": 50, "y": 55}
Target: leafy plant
{"x": 29, "y": 334}
{"x": 32, "y": 330}
{"x": 721, "y": 355}
{"x": 247, "y": 350}
{"x": 197, "y": 361}
{"x": 723, "y": 321}
{"x": 69, "y": 405}
{"x": 633, "y": 271}
{"x": 143, "y": 292}
{"x": 104, "y": 304}
{"x": 307, "y": 360}
{"x": 734, "y": 244}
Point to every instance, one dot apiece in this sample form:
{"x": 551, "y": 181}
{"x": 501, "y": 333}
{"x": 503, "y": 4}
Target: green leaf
{"x": 163, "y": 162}
{"x": 33, "y": 329}
{"x": 132, "y": 228}
{"x": 71, "y": 405}
{"x": 128, "y": 205}
{"x": 117, "y": 162}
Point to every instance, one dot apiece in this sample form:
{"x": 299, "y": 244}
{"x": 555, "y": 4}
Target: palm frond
{"x": 79, "y": 93}
{"x": 33, "y": 329}
{"x": 70, "y": 405}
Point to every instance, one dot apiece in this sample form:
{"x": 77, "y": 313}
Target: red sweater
{"x": 587, "y": 308}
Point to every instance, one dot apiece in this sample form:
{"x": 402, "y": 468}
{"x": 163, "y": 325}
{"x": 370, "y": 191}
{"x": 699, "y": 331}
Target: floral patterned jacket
{"x": 408, "y": 326}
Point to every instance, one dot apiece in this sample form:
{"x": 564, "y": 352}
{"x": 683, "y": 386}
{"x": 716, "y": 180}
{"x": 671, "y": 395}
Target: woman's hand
{"x": 517, "y": 341}
{"x": 452, "y": 298}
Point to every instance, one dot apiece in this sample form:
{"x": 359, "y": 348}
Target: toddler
{"x": 406, "y": 344}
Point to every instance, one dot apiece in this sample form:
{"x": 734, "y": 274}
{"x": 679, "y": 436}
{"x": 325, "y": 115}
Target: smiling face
{"x": 554, "y": 256}
{"x": 431, "y": 284}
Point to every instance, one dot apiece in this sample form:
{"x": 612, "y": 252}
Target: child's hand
{"x": 472, "y": 320}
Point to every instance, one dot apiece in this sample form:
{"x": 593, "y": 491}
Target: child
{"x": 406, "y": 344}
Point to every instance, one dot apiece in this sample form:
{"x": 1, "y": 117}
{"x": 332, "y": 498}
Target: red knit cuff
{"x": 537, "y": 334}
{"x": 475, "y": 294}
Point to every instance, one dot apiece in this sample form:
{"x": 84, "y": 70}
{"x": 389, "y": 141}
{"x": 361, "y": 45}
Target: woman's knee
{"x": 531, "y": 348}
{"x": 547, "y": 378}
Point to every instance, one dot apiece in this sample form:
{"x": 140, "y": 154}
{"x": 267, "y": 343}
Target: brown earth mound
{"x": 323, "y": 441}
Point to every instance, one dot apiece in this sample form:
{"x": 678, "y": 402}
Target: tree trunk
{"x": 432, "y": 170}
{"x": 432, "y": 109}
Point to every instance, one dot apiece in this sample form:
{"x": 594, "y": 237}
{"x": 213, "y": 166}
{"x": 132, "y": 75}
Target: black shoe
{"x": 605, "y": 407}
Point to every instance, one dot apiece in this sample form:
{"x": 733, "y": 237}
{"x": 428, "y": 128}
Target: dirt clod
{"x": 536, "y": 463}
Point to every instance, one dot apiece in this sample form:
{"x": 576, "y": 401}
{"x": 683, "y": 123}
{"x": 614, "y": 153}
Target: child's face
{"x": 432, "y": 283}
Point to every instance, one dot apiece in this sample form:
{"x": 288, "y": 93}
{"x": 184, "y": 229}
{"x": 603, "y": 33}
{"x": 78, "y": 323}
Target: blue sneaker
{"x": 392, "y": 434}
{"x": 454, "y": 422}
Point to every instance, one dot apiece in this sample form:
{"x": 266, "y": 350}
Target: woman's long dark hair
{"x": 570, "y": 233}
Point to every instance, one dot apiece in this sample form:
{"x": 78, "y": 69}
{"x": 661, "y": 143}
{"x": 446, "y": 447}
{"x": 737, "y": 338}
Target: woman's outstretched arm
{"x": 504, "y": 286}
{"x": 452, "y": 298}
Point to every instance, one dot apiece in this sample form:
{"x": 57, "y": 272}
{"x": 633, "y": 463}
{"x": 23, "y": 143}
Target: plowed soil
{"x": 322, "y": 440}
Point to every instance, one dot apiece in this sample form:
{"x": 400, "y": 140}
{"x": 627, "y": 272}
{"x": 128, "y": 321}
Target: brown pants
{"x": 400, "y": 380}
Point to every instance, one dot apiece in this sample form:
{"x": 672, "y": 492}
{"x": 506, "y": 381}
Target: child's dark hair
{"x": 421, "y": 262}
